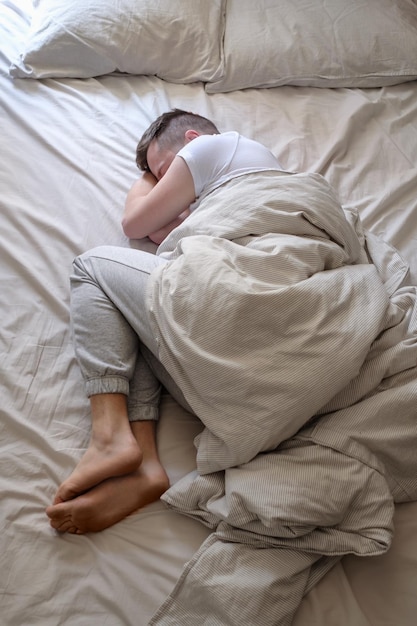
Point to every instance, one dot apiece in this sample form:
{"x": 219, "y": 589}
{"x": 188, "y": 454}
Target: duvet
{"x": 292, "y": 334}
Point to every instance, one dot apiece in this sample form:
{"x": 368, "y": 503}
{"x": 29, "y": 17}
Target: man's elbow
{"x": 126, "y": 227}
{"x": 131, "y": 230}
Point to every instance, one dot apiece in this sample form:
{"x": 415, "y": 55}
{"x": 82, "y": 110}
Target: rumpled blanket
{"x": 293, "y": 339}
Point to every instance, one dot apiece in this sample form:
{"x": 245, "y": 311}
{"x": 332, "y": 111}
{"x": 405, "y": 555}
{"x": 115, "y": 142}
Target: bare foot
{"x": 103, "y": 459}
{"x": 110, "y": 501}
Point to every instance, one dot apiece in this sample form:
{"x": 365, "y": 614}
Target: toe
{"x": 64, "y": 526}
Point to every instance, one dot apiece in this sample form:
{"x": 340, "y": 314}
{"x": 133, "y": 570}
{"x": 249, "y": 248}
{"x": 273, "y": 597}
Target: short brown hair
{"x": 169, "y": 129}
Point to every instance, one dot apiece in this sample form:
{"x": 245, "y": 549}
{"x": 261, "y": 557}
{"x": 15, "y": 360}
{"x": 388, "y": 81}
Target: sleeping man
{"x": 287, "y": 330}
{"x": 117, "y": 448}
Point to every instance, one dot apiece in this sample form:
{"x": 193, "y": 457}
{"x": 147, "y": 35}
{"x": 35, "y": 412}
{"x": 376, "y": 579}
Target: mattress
{"x": 68, "y": 161}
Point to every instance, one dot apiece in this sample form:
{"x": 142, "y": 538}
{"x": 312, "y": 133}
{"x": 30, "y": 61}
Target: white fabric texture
{"x": 68, "y": 161}
{"x": 215, "y": 159}
{"x": 177, "y": 40}
{"x": 364, "y": 43}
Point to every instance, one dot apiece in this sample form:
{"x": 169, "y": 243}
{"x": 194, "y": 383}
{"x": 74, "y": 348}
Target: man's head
{"x": 168, "y": 134}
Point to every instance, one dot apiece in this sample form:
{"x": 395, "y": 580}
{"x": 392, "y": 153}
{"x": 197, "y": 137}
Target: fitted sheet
{"x": 67, "y": 162}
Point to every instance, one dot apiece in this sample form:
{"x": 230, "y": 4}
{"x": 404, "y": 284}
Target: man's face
{"x": 159, "y": 159}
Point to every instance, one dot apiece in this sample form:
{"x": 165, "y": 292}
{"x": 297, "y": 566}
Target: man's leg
{"x": 144, "y": 391}
{"x": 161, "y": 374}
{"x": 112, "y": 451}
{"x": 108, "y": 315}
{"x": 115, "y": 498}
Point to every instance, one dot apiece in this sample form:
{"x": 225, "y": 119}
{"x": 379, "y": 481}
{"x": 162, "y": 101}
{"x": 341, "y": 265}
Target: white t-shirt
{"x": 215, "y": 159}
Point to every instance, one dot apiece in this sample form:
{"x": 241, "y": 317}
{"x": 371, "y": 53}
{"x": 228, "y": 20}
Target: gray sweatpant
{"x": 113, "y": 339}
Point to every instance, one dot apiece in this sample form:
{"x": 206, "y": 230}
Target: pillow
{"x": 331, "y": 43}
{"x": 177, "y": 40}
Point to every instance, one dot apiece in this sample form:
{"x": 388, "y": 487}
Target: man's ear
{"x": 191, "y": 134}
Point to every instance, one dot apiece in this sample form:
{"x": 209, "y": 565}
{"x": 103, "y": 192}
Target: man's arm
{"x": 153, "y": 205}
{"x": 159, "y": 235}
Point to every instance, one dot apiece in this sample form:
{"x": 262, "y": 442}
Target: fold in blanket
{"x": 288, "y": 331}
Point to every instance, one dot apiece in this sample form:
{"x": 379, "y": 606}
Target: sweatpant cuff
{"x": 107, "y": 384}
{"x": 143, "y": 412}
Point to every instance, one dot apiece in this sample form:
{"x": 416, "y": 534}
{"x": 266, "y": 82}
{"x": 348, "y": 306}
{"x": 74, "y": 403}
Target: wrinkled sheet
{"x": 275, "y": 257}
{"x": 67, "y": 162}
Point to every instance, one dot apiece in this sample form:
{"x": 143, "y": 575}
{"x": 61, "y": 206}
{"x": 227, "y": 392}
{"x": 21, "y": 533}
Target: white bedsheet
{"x": 67, "y": 149}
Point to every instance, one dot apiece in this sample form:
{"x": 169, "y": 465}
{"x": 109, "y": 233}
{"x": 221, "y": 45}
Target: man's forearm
{"x": 158, "y": 236}
{"x": 151, "y": 206}
{"x": 139, "y": 189}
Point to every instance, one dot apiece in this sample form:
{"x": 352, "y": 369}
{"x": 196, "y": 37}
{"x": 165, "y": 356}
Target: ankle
{"x": 109, "y": 415}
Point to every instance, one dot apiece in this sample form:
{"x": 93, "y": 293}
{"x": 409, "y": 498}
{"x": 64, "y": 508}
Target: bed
{"x": 331, "y": 89}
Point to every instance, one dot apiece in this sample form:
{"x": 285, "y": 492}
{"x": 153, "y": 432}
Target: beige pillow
{"x": 331, "y": 43}
{"x": 177, "y": 40}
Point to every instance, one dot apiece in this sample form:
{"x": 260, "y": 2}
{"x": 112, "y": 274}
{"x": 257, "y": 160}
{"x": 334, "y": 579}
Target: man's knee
{"x": 84, "y": 261}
